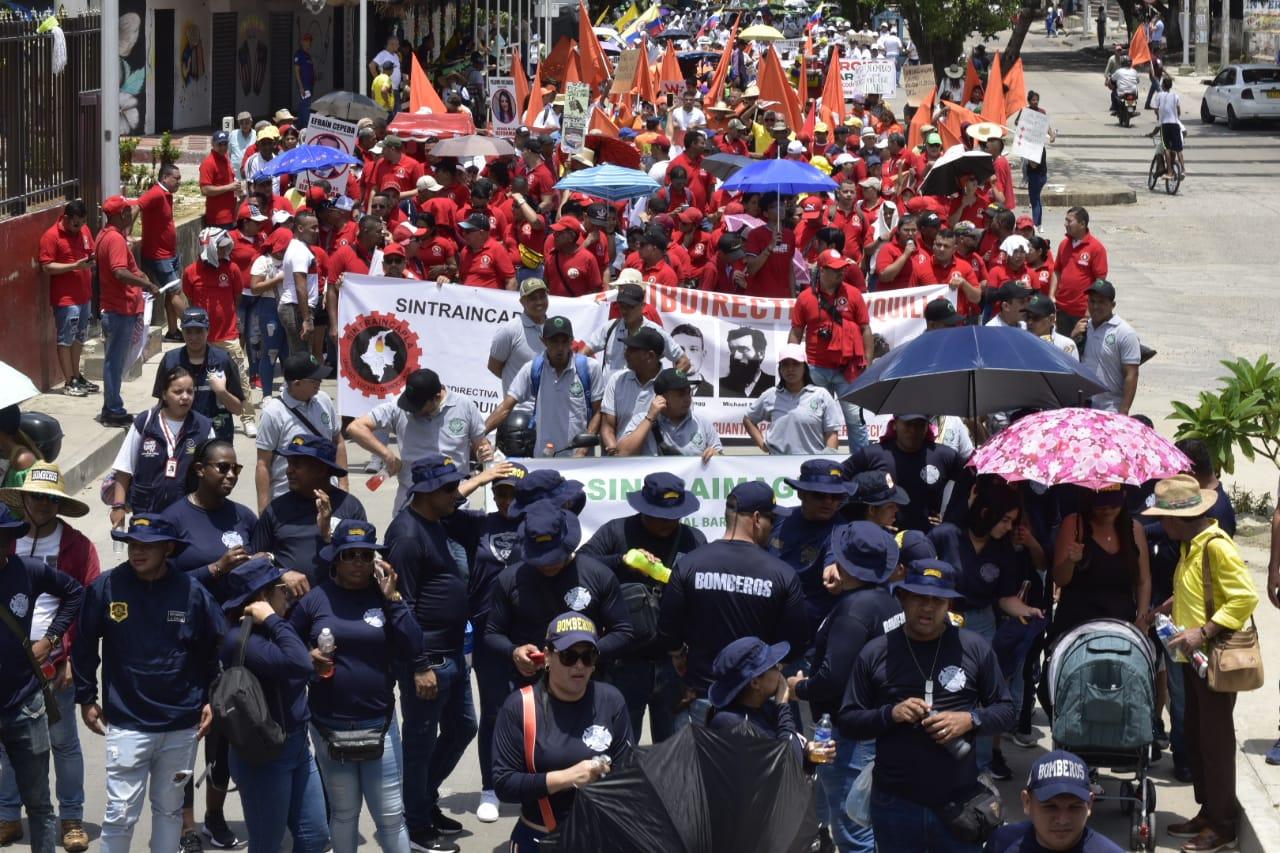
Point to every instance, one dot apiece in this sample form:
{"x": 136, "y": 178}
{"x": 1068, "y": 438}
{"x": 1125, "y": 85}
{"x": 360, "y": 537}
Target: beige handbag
{"x": 1235, "y": 657}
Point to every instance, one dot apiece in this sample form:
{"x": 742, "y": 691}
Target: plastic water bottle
{"x": 643, "y": 563}
{"x": 374, "y": 482}
{"x": 1166, "y": 631}
{"x": 325, "y": 643}
{"x": 822, "y": 735}
{"x": 958, "y": 748}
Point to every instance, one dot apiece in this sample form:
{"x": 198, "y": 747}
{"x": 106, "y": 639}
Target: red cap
{"x": 117, "y": 205}
{"x": 404, "y": 232}
{"x": 390, "y": 183}
{"x": 734, "y": 207}
{"x": 393, "y": 249}
{"x": 581, "y": 198}
{"x": 568, "y": 223}
{"x": 251, "y": 211}
{"x": 833, "y": 260}
{"x": 1025, "y": 222}
{"x": 811, "y": 207}
{"x": 661, "y": 139}
{"x": 279, "y": 240}
{"x": 691, "y": 216}
{"x": 666, "y": 222}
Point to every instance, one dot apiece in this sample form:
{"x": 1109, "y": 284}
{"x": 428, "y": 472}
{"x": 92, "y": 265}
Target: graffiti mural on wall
{"x": 133, "y": 66}
{"x": 191, "y": 62}
{"x": 252, "y": 54}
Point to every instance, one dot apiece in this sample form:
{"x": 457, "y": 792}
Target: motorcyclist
{"x": 1124, "y": 82}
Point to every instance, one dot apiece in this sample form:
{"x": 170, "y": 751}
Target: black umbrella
{"x": 699, "y": 791}
{"x": 349, "y": 106}
{"x": 722, "y": 166}
{"x": 944, "y": 177}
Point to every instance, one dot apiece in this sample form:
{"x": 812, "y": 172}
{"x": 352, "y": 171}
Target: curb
{"x": 1061, "y": 195}
{"x": 1259, "y": 819}
{"x": 84, "y": 468}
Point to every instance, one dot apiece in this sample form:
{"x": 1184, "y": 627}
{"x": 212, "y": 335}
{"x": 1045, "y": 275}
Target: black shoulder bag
{"x": 50, "y": 703}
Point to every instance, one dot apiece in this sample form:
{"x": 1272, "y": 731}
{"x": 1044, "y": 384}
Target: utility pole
{"x": 1202, "y": 36}
{"x": 109, "y": 97}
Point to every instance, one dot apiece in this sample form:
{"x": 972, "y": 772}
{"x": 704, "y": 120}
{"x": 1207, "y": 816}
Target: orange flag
{"x": 716, "y": 92}
{"x": 833, "y": 108}
{"x": 601, "y": 123}
{"x": 1015, "y": 85}
{"x": 923, "y": 116}
{"x": 802, "y": 79}
{"x": 772, "y": 81}
{"x": 557, "y": 62}
{"x": 534, "y": 109}
{"x": 595, "y": 68}
{"x": 993, "y": 100}
{"x": 810, "y": 121}
{"x": 642, "y": 82}
{"x": 971, "y": 79}
{"x": 1139, "y": 50}
{"x": 670, "y": 78}
{"x": 573, "y": 71}
{"x": 421, "y": 92}
{"x": 517, "y": 73}
{"x": 950, "y": 127}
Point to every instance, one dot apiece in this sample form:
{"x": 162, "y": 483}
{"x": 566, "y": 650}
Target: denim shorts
{"x": 72, "y": 323}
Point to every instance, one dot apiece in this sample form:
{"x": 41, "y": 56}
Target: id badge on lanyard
{"x": 171, "y": 449}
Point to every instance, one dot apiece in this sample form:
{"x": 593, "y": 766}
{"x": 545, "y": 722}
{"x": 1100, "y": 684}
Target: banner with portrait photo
{"x": 332, "y": 133}
{"x": 503, "y": 107}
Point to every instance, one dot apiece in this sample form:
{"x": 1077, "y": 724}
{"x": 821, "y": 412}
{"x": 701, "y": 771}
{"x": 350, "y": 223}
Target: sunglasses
{"x": 570, "y": 657}
{"x": 358, "y": 555}
{"x": 226, "y": 467}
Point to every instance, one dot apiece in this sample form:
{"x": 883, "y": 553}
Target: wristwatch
{"x": 977, "y": 721}
{"x": 54, "y": 640}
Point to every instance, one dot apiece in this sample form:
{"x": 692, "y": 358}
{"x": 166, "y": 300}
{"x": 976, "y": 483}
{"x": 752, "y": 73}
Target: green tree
{"x": 939, "y": 27}
{"x": 1243, "y": 414}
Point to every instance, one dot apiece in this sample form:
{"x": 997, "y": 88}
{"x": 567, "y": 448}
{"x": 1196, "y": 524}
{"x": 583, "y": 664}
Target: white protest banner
{"x": 577, "y": 98}
{"x": 868, "y": 77}
{"x": 332, "y": 133}
{"x": 503, "y": 106}
{"x": 917, "y": 80}
{"x": 1030, "y": 135}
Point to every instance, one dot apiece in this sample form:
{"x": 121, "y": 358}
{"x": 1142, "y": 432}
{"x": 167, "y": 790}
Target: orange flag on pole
{"x": 601, "y": 123}
{"x": 421, "y": 92}
{"x": 950, "y": 126}
{"x": 716, "y": 92}
{"x": 1015, "y": 84}
{"x": 595, "y": 68}
{"x": 971, "y": 80}
{"x": 517, "y": 74}
{"x": 642, "y": 82}
{"x": 534, "y": 109}
{"x": 670, "y": 79}
{"x": 1139, "y": 50}
{"x": 772, "y": 81}
{"x": 833, "y": 108}
{"x": 922, "y": 117}
{"x": 802, "y": 79}
{"x": 993, "y": 101}
{"x": 573, "y": 71}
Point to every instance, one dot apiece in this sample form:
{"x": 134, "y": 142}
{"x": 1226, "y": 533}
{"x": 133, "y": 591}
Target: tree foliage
{"x": 939, "y": 27}
{"x": 1243, "y": 414}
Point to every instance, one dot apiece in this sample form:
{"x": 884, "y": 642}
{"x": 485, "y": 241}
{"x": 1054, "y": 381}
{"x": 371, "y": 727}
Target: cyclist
{"x": 1168, "y": 111}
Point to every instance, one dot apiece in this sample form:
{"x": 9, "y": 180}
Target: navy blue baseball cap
{"x": 569, "y": 629}
{"x": 933, "y": 578}
{"x": 1059, "y": 772}
{"x": 518, "y": 473}
{"x": 865, "y": 550}
{"x": 149, "y": 527}
{"x": 663, "y": 495}
{"x": 549, "y": 534}
{"x": 195, "y": 318}
{"x": 351, "y": 535}
{"x": 819, "y": 475}
{"x": 11, "y": 524}
{"x": 739, "y": 662}
{"x": 756, "y": 496}
{"x": 245, "y": 580}
{"x": 314, "y": 447}
{"x": 546, "y": 484}
{"x": 221, "y": 136}
{"x": 433, "y": 472}
{"x": 876, "y": 488}
{"x": 914, "y": 545}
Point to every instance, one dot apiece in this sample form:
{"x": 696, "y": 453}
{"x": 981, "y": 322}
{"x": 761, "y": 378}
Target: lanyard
{"x": 171, "y": 444}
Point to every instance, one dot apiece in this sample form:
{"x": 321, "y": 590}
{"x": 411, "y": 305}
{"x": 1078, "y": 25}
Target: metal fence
{"x": 48, "y": 133}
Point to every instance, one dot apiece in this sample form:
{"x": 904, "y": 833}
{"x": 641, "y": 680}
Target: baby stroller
{"x": 1102, "y": 689}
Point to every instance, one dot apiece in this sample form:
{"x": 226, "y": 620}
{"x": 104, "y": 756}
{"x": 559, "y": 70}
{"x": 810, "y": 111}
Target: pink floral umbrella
{"x": 1085, "y": 447}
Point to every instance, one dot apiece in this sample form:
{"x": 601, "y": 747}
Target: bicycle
{"x": 1159, "y": 164}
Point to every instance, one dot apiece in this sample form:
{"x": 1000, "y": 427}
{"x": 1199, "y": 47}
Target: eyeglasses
{"x": 358, "y": 555}
{"x": 226, "y": 467}
{"x": 570, "y": 657}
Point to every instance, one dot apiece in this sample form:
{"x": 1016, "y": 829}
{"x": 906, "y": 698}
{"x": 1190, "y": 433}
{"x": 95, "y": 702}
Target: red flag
{"x": 1015, "y": 85}
{"x": 517, "y": 73}
{"x": 573, "y": 70}
{"x": 993, "y": 101}
{"x": 595, "y": 68}
{"x": 810, "y": 121}
{"x": 1139, "y": 50}
{"x": 601, "y": 123}
{"x": 642, "y": 82}
{"x": 421, "y": 92}
{"x": 554, "y": 67}
{"x": 971, "y": 80}
{"x": 773, "y": 84}
{"x": 833, "y": 108}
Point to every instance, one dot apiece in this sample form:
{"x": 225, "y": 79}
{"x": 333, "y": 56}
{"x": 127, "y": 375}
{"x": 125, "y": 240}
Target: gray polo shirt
{"x": 562, "y": 409}
{"x": 515, "y": 344}
{"x": 450, "y": 431}
{"x": 609, "y": 338}
{"x": 690, "y": 437}
{"x": 1107, "y": 348}
{"x": 798, "y": 423}
{"x": 284, "y": 418}
{"x": 625, "y": 397}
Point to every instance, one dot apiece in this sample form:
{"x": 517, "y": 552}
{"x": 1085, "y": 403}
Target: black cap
{"x": 1040, "y": 306}
{"x": 195, "y": 318}
{"x": 1012, "y": 290}
{"x": 475, "y": 222}
{"x": 647, "y": 338}
{"x": 929, "y": 220}
{"x": 303, "y": 365}
{"x": 1103, "y": 288}
{"x": 421, "y": 387}
{"x": 730, "y": 247}
{"x": 941, "y": 310}
{"x": 598, "y": 212}
{"x": 630, "y": 294}
{"x": 557, "y": 326}
{"x": 670, "y": 380}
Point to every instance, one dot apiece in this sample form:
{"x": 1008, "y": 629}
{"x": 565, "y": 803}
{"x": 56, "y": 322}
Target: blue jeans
{"x": 436, "y": 734}
{"x": 651, "y": 684}
{"x": 244, "y": 316}
{"x": 71, "y": 323}
{"x": 377, "y": 783}
{"x": 161, "y": 272}
{"x": 902, "y": 826}
{"x": 1035, "y": 185}
{"x": 982, "y": 621}
{"x": 304, "y": 111}
{"x": 832, "y": 379}
{"x": 284, "y": 793}
{"x": 493, "y": 677}
{"x": 167, "y": 760}
{"x": 118, "y": 329}
{"x": 836, "y": 780}
{"x": 68, "y": 765}
{"x": 24, "y": 734}
{"x": 267, "y": 342}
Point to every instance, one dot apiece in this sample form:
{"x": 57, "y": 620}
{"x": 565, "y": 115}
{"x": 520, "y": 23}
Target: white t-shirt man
{"x": 891, "y": 45}
{"x": 387, "y": 56}
{"x": 299, "y": 258}
{"x": 45, "y": 549}
{"x": 1126, "y": 80}
{"x": 1168, "y": 107}
{"x": 689, "y": 119}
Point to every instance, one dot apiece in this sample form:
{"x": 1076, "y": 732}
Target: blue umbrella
{"x": 307, "y": 158}
{"x": 610, "y": 182}
{"x": 973, "y": 370}
{"x": 785, "y": 177}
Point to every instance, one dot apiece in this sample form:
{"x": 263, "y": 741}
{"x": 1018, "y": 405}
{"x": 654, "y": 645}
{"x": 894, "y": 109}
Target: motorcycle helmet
{"x": 44, "y": 434}
{"x": 516, "y": 437}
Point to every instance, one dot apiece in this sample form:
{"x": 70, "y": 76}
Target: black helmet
{"x": 44, "y": 432}
{"x": 516, "y": 436}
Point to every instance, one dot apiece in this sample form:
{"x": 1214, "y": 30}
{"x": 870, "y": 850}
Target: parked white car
{"x": 1241, "y": 92}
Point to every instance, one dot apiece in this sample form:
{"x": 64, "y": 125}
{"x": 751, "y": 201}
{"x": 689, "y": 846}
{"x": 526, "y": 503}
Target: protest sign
{"x": 1030, "y": 135}
{"x": 624, "y": 75}
{"x": 503, "y": 106}
{"x": 917, "y": 80}
{"x": 868, "y": 77}
{"x": 333, "y": 133}
{"x": 577, "y": 100}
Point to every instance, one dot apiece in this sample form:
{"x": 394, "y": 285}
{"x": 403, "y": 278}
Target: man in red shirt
{"x": 695, "y": 147}
{"x": 570, "y": 269}
{"x": 160, "y": 243}
{"x": 732, "y": 141}
{"x": 121, "y": 284}
{"x": 218, "y": 185}
{"x": 247, "y": 243}
{"x": 845, "y": 215}
{"x": 830, "y": 317}
{"x": 66, "y": 256}
{"x": 541, "y": 182}
{"x": 653, "y": 263}
{"x": 770, "y": 248}
{"x": 946, "y": 268}
{"x": 395, "y": 165}
{"x": 481, "y": 201}
{"x": 893, "y": 261}
{"x": 602, "y": 228}
{"x": 214, "y": 284}
{"x": 483, "y": 262}
{"x": 1081, "y": 261}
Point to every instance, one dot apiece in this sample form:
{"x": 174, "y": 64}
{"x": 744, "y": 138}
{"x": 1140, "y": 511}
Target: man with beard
{"x": 746, "y": 376}
{"x": 689, "y": 338}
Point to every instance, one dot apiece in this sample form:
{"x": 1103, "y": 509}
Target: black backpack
{"x": 240, "y": 711}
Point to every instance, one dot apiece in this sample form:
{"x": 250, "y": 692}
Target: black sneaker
{"x": 174, "y": 337}
{"x": 1161, "y": 736}
{"x": 107, "y": 420}
{"x": 91, "y": 387}
{"x": 430, "y": 841}
{"x": 999, "y": 768}
{"x": 444, "y": 824}
{"x": 190, "y": 843}
{"x": 219, "y": 834}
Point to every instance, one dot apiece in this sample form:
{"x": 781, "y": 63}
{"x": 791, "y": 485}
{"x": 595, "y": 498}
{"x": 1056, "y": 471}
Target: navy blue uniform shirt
{"x": 923, "y": 475}
{"x": 206, "y": 402}
{"x": 22, "y": 581}
{"x": 159, "y": 648}
{"x": 280, "y": 660}
{"x": 770, "y": 720}
{"x": 802, "y": 545}
{"x": 983, "y": 578}
{"x": 859, "y": 616}
{"x": 210, "y": 535}
{"x": 432, "y": 572}
{"x": 287, "y": 528}
{"x": 1021, "y": 838}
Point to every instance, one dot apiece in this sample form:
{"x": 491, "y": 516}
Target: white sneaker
{"x": 487, "y": 812}
{"x": 250, "y": 427}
